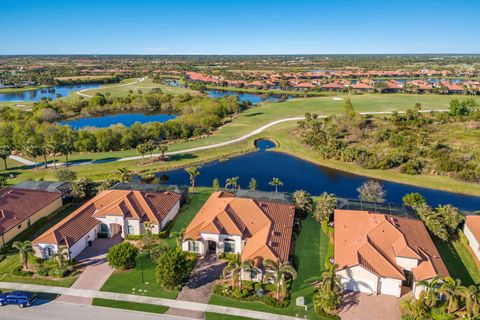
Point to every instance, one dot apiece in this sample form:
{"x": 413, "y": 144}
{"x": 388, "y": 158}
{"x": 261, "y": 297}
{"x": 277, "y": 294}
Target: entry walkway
{"x": 96, "y": 269}
{"x": 177, "y": 304}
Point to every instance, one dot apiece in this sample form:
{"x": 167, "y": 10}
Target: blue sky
{"x": 239, "y": 27}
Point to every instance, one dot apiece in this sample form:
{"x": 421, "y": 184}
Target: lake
{"x": 51, "y": 92}
{"x": 127, "y": 119}
{"x": 297, "y": 174}
{"x": 243, "y": 96}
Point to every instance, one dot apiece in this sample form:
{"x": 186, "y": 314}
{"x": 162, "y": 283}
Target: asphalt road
{"x": 42, "y": 310}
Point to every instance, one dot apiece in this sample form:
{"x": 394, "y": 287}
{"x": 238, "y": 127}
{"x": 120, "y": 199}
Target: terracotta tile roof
{"x": 361, "y": 85}
{"x": 375, "y": 240}
{"x": 138, "y": 205}
{"x": 17, "y": 205}
{"x": 267, "y": 226}
{"x": 473, "y": 223}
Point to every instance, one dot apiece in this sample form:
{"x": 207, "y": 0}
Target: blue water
{"x": 51, "y": 92}
{"x": 297, "y": 174}
{"x": 242, "y": 96}
{"x": 127, "y": 119}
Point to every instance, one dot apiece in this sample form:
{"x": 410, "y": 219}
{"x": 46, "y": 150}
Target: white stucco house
{"x": 380, "y": 254}
{"x": 111, "y": 213}
{"x": 472, "y": 232}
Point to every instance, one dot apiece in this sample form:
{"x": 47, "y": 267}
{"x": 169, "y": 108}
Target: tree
{"x": 347, "y": 108}
{"x": 324, "y": 207}
{"x": 122, "y": 256}
{"x": 413, "y": 199}
{"x": 163, "y": 148}
{"x": 327, "y": 297}
{"x": 83, "y": 188}
{"x": 233, "y": 182}
{"x": 372, "y": 191}
{"x": 434, "y": 221}
{"x": 471, "y": 296}
{"x": 449, "y": 289}
{"x": 430, "y": 291}
{"x": 173, "y": 268}
{"x": 142, "y": 149}
{"x": 233, "y": 270}
{"x": 124, "y": 174}
{"x": 24, "y": 248}
{"x": 61, "y": 256}
{"x": 278, "y": 272}
{"x": 303, "y": 201}
{"x": 276, "y": 183}
{"x": 178, "y": 236}
{"x": 193, "y": 172}
{"x": 33, "y": 148}
{"x": 452, "y": 217}
{"x": 5, "y": 152}
{"x": 66, "y": 142}
{"x": 252, "y": 185}
{"x": 215, "y": 184}
{"x": 66, "y": 175}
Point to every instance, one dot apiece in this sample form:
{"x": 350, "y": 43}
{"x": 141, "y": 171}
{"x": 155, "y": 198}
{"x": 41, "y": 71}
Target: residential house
{"x": 361, "y": 87}
{"x": 471, "y": 230}
{"x": 381, "y": 253}
{"x": 20, "y": 208}
{"x": 333, "y": 86}
{"x": 112, "y": 213}
{"x": 254, "y": 229}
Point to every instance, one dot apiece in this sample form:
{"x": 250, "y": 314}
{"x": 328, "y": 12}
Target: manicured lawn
{"x": 310, "y": 248}
{"x": 219, "y": 316}
{"x": 130, "y": 282}
{"x": 459, "y": 261}
{"x": 129, "y": 305}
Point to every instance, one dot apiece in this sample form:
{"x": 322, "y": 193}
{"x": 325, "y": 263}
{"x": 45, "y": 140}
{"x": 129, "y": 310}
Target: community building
{"x": 472, "y": 232}
{"x": 383, "y": 254}
{"x": 20, "y": 208}
{"x": 254, "y": 229}
{"x": 111, "y": 213}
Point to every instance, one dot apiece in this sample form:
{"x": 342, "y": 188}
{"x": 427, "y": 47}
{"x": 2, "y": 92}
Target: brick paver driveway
{"x": 96, "y": 270}
{"x": 362, "y": 306}
{"x": 199, "y": 287}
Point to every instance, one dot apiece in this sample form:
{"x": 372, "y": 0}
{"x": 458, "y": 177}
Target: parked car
{"x": 20, "y": 298}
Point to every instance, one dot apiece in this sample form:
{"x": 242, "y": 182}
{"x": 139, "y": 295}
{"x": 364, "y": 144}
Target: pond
{"x": 243, "y": 96}
{"x": 296, "y": 174}
{"x": 127, "y": 119}
{"x": 50, "y": 92}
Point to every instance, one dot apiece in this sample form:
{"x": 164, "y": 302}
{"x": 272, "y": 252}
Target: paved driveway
{"x": 96, "y": 270}
{"x": 362, "y": 306}
{"x": 199, "y": 287}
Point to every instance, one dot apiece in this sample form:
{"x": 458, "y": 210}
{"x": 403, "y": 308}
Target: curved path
{"x": 211, "y": 146}
{"x": 82, "y": 94}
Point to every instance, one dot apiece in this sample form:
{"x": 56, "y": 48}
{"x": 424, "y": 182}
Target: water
{"x": 51, "y": 92}
{"x": 127, "y": 119}
{"x": 296, "y": 174}
{"x": 243, "y": 97}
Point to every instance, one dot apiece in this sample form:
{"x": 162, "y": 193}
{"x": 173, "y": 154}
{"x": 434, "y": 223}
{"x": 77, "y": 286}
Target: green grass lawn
{"x": 129, "y": 305}
{"x": 219, "y": 316}
{"x": 310, "y": 248}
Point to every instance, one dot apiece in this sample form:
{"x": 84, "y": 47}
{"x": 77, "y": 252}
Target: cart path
{"x": 82, "y": 94}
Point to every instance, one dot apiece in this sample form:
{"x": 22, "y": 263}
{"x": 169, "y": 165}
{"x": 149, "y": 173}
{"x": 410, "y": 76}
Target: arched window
{"x": 229, "y": 246}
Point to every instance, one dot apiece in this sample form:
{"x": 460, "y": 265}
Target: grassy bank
{"x": 127, "y": 305}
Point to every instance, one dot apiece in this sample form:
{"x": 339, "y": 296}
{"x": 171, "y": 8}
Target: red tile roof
{"x": 17, "y": 205}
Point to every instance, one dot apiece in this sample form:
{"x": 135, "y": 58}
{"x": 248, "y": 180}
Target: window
{"x": 19, "y": 226}
{"x": 193, "y": 246}
{"x": 253, "y": 273}
{"x": 229, "y": 246}
{"x": 130, "y": 230}
{"x": 103, "y": 228}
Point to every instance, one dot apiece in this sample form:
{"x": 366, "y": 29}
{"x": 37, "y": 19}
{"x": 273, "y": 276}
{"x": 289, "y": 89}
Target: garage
{"x": 358, "y": 279}
{"x": 390, "y": 286}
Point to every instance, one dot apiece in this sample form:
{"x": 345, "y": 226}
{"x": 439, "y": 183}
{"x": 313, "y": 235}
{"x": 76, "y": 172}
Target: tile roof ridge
{"x": 141, "y": 197}
{"x": 382, "y": 254}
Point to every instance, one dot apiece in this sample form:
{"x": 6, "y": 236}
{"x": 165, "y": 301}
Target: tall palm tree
{"x": 278, "y": 272}
{"x": 449, "y": 289}
{"x": 276, "y": 183}
{"x": 330, "y": 281}
{"x": 24, "y": 248}
{"x": 233, "y": 182}
{"x": 178, "y": 236}
{"x": 303, "y": 201}
{"x": 325, "y": 206}
{"x": 471, "y": 295}
{"x": 193, "y": 173}
{"x": 162, "y": 148}
{"x": 62, "y": 255}
{"x": 430, "y": 293}
{"x": 233, "y": 269}
{"x": 124, "y": 174}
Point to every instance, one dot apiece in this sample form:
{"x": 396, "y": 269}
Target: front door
{"x": 212, "y": 246}
{"x": 408, "y": 282}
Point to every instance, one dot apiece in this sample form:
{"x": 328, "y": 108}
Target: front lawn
{"x": 310, "y": 250}
{"x": 220, "y": 316}
{"x": 129, "y": 305}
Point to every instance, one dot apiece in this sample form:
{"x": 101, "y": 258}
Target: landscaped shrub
{"x": 173, "y": 268}
{"x": 122, "y": 256}
{"x": 18, "y": 271}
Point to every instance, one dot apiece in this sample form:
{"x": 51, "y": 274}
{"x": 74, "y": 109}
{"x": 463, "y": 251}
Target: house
{"x": 50, "y": 186}
{"x": 333, "y": 86}
{"x": 361, "y": 87}
{"x": 472, "y": 232}
{"x": 254, "y": 229}
{"x": 381, "y": 253}
{"x": 20, "y": 208}
{"x": 112, "y": 213}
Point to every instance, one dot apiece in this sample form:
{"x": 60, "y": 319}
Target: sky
{"x": 239, "y": 27}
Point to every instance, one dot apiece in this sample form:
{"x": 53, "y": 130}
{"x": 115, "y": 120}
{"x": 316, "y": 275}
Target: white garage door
{"x": 361, "y": 285}
{"x": 390, "y": 286}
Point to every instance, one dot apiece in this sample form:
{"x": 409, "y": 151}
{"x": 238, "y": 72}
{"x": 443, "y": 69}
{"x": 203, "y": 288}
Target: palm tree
{"x": 327, "y": 294}
{"x": 303, "y": 201}
{"x": 124, "y": 174}
{"x": 193, "y": 173}
{"x": 162, "y": 148}
{"x": 325, "y": 206}
{"x": 278, "y": 272}
{"x": 24, "y": 248}
{"x": 178, "y": 236}
{"x": 276, "y": 183}
{"x": 252, "y": 185}
{"x": 449, "y": 289}
{"x": 330, "y": 281}
{"x": 233, "y": 181}
{"x": 62, "y": 255}
{"x": 233, "y": 269}
{"x": 430, "y": 292}
{"x": 471, "y": 295}
{"x": 5, "y": 152}
{"x": 142, "y": 149}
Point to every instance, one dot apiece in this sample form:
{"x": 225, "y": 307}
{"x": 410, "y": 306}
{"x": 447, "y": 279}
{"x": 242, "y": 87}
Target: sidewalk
{"x": 178, "y": 304}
